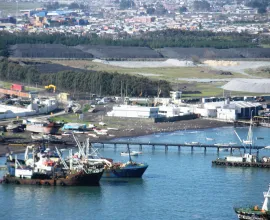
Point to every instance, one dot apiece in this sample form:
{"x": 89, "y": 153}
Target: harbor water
{"x": 177, "y": 184}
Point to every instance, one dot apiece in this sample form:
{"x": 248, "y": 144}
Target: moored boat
{"x": 130, "y": 169}
{"x": 42, "y": 169}
{"x": 255, "y": 212}
{"x": 131, "y": 154}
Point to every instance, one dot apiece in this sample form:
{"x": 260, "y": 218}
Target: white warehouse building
{"x": 134, "y": 111}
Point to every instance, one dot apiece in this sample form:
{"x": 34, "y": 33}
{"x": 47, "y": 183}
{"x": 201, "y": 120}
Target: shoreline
{"x": 132, "y": 130}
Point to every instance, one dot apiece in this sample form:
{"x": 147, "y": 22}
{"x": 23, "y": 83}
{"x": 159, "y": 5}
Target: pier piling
{"x": 166, "y": 147}
{"x": 140, "y": 147}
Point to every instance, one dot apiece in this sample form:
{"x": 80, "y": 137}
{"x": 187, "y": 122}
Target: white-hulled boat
{"x": 127, "y": 154}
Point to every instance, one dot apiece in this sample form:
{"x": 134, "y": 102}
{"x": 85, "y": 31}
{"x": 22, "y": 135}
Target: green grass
{"x": 10, "y": 7}
{"x": 69, "y": 118}
{"x": 161, "y": 73}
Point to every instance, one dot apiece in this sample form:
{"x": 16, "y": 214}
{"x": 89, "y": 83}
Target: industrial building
{"x": 229, "y": 111}
{"x": 134, "y": 111}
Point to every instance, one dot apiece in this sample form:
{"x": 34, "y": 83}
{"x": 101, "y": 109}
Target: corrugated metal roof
{"x": 243, "y": 104}
{"x": 248, "y": 85}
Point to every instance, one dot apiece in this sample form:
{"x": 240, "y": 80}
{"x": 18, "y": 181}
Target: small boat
{"x": 66, "y": 133}
{"x": 255, "y": 212}
{"x": 138, "y": 152}
{"x": 210, "y": 139}
{"x": 127, "y": 153}
{"x": 221, "y": 144}
{"x": 260, "y": 138}
{"x": 192, "y": 143}
{"x": 232, "y": 143}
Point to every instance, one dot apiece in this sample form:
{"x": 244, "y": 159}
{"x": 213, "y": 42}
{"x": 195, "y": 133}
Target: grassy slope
{"x": 164, "y": 73}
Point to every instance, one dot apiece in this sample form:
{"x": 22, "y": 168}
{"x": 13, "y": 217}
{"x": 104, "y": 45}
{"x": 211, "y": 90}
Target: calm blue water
{"x": 180, "y": 185}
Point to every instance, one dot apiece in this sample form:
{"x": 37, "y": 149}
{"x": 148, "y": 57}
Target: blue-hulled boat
{"x": 131, "y": 169}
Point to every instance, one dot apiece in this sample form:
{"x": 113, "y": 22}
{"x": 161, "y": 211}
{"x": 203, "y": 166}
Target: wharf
{"x": 179, "y": 145}
{"x": 220, "y": 162}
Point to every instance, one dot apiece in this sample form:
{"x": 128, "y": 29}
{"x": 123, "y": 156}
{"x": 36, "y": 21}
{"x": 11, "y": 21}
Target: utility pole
{"x": 16, "y": 12}
{"x": 126, "y": 89}
{"x": 121, "y": 89}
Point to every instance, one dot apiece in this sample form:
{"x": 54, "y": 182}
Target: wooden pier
{"x": 178, "y": 145}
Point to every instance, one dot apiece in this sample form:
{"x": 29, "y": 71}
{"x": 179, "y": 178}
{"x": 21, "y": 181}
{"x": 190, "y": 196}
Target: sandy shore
{"x": 132, "y": 128}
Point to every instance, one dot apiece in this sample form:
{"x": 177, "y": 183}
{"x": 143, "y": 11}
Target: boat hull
{"x": 80, "y": 179}
{"x": 126, "y": 172}
{"x": 49, "y": 129}
{"x": 252, "y": 216}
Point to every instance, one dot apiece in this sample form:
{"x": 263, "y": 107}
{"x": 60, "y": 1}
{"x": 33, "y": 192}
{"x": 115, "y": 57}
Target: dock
{"x": 220, "y": 162}
{"x": 178, "y": 145}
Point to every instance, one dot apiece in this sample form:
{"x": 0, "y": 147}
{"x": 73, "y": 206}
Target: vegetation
{"x": 56, "y": 5}
{"x": 201, "y": 6}
{"x": 156, "y": 39}
{"x": 98, "y": 82}
{"x": 125, "y": 4}
{"x": 261, "y": 5}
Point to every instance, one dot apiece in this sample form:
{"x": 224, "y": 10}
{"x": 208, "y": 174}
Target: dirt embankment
{"x": 120, "y": 52}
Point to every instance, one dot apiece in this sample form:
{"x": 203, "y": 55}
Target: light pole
{"x": 16, "y": 12}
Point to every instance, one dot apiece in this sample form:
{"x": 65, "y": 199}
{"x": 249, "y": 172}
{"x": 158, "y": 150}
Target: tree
{"x": 183, "y": 9}
{"x": 196, "y": 60}
{"x": 125, "y": 4}
{"x": 150, "y": 11}
{"x": 201, "y": 6}
{"x": 262, "y": 10}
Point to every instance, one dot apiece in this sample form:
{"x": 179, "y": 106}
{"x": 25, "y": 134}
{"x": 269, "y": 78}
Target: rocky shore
{"x": 129, "y": 128}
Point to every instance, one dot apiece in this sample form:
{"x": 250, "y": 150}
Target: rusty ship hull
{"x": 79, "y": 179}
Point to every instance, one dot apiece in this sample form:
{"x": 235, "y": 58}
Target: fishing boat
{"x": 41, "y": 126}
{"x": 43, "y": 170}
{"x": 130, "y": 169}
{"x": 255, "y": 212}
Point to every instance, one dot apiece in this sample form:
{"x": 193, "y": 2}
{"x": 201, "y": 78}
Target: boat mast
{"x": 129, "y": 153}
{"x": 250, "y": 134}
{"x": 265, "y": 203}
